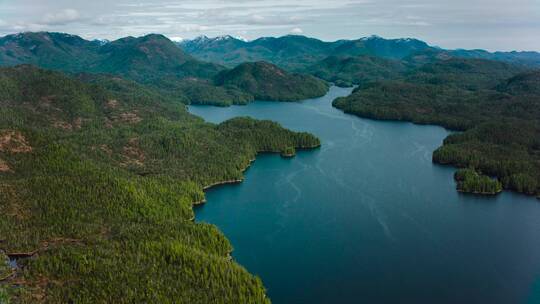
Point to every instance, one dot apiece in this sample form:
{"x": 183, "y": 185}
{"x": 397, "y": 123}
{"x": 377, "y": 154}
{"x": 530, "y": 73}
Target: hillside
{"x": 152, "y": 60}
{"x": 97, "y": 183}
{"x": 268, "y": 82}
{"x": 141, "y": 59}
{"x": 289, "y": 52}
{"x": 346, "y": 71}
{"x": 149, "y": 58}
{"x": 295, "y": 53}
{"x": 50, "y": 50}
{"x": 499, "y": 112}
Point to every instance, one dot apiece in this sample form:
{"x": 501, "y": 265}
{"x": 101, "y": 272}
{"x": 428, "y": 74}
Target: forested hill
{"x": 140, "y": 58}
{"x": 266, "y": 81}
{"x": 294, "y": 52}
{"x": 97, "y": 182}
{"x": 152, "y": 60}
{"x": 498, "y": 110}
{"x": 347, "y": 71}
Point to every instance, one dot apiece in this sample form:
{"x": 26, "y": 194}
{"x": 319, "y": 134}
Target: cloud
{"x": 186, "y": 28}
{"x": 176, "y": 38}
{"x": 65, "y": 16}
{"x": 297, "y": 31}
{"x": 491, "y": 24}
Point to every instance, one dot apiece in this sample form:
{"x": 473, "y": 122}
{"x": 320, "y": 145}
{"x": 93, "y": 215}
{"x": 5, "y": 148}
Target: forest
{"x": 97, "y": 186}
{"x": 155, "y": 61}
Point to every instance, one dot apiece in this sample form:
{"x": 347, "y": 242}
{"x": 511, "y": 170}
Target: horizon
{"x": 474, "y": 24}
{"x": 261, "y": 37}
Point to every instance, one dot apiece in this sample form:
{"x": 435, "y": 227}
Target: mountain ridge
{"x": 257, "y": 49}
{"x": 152, "y": 60}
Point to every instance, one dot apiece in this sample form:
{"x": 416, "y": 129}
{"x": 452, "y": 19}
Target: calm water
{"x": 369, "y": 219}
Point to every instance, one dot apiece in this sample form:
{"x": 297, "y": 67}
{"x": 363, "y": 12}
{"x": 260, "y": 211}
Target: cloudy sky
{"x": 488, "y": 24}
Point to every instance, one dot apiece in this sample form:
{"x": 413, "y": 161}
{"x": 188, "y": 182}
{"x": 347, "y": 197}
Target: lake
{"x": 368, "y": 218}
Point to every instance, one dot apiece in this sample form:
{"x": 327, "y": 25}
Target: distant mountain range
{"x": 153, "y": 60}
{"x": 193, "y": 71}
{"x": 137, "y": 58}
{"x": 296, "y": 52}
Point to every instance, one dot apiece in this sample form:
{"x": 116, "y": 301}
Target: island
{"x": 288, "y": 152}
{"x": 470, "y": 181}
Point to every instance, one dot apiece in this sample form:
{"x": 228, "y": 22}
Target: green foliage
{"x": 346, "y": 71}
{"x": 155, "y": 61}
{"x": 288, "y": 152}
{"x": 106, "y": 192}
{"x": 295, "y": 52}
{"x": 268, "y": 82}
{"x": 499, "y": 112}
{"x": 470, "y": 181}
{"x": 4, "y": 297}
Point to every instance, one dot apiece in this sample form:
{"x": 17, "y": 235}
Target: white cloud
{"x": 176, "y": 39}
{"x": 186, "y": 28}
{"x": 297, "y": 31}
{"x": 491, "y": 24}
{"x": 63, "y": 17}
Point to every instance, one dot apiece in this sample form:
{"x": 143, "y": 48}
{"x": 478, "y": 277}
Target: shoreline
{"x": 237, "y": 181}
{"x": 449, "y": 164}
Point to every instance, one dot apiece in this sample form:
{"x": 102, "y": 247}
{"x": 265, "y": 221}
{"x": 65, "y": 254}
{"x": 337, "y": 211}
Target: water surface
{"x": 368, "y": 218}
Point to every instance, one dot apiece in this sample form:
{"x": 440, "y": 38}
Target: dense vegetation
{"x": 347, "y": 71}
{"x": 470, "y": 181}
{"x": 268, "y": 82}
{"x": 499, "y": 112}
{"x": 298, "y": 52}
{"x": 157, "y": 62}
{"x": 294, "y": 52}
{"x": 97, "y": 186}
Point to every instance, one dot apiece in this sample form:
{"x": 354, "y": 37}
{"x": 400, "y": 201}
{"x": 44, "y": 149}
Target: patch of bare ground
{"x": 128, "y": 117}
{"x": 108, "y": 123}
{"x": 106, "y": 149}
{"x": 75, "y": 125}
{"x": 63, "y": 125}
{"x": 112, "y": 104}
{"x": 4, "y": 167}
{"x": 132, "y": 154}
{"x": 13, "y": 142}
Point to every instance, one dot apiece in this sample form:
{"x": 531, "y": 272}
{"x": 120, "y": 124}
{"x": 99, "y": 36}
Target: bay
{"x": 368, "y": 218}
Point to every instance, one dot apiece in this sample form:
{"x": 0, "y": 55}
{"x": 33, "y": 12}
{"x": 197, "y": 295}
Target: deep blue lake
{"x": 368, "y": 218}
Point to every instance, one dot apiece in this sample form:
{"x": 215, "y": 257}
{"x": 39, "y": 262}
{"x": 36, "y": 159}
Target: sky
{"x": 488, "y": 24}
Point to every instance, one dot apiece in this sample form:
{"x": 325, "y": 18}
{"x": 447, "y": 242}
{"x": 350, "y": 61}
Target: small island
{"x": 288, "y": 152}
{"x": 470, "y": 181}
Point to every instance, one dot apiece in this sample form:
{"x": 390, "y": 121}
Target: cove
{"x": 368, "y": 218}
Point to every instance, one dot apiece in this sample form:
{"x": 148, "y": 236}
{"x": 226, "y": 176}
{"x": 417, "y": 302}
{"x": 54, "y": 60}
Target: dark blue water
{"x": 369, "y": 219}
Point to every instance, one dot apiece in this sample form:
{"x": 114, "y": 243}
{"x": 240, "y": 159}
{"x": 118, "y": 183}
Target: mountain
{"x": 498, "y": 111}
{"x": 471, "y": 74}
{"x": 143, "y": 59}
{"x": 346, "y": 71}
{"x": 380, "y": 47}
{"x": 523, "y": 59}
{"x": 523, "y": 84}
{"x": 149, "y": 57}
{"x": 294, "y": 52}
{"x": 50, "y": 50}
{"x": 288, "y": 51}
{"x": 266, "y": 81}
{"x": 98, "y": 181}
{"x": 153, "y": 60}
